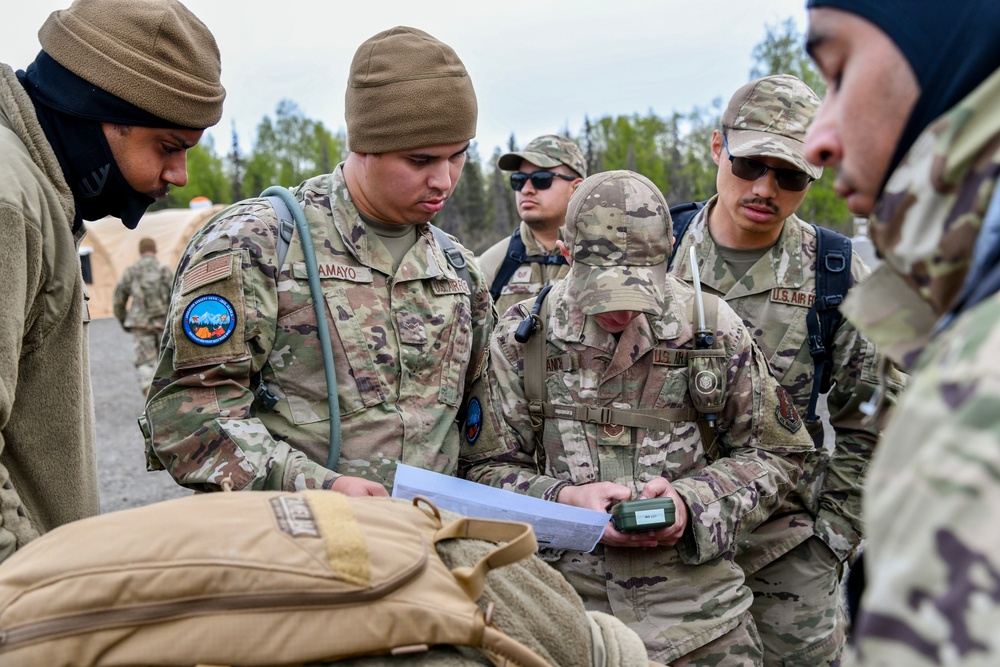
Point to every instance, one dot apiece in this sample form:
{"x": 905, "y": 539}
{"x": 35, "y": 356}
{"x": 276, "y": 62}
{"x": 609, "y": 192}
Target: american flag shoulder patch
{"x": 207, "y": 272}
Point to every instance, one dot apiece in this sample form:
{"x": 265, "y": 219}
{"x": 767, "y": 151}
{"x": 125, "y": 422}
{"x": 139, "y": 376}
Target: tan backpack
{"x": 253, "y": 578}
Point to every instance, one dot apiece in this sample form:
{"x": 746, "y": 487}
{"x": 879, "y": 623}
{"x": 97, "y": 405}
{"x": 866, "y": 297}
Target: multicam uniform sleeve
{"x": 855, "y": 377}
{"x": 763, "y": 444}
{"x": 220, "y": 330}
{"x": 504, "y": 454}
{"x": 933, "y": 557}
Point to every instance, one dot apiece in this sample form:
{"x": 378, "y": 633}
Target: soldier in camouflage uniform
{"x": 753, "y": 251}
{"x": 912, "y": 122}
{"x": 140, "y": 304}
{"x": 541, "y": 202}
{"x": 240, "y": 392}
{"x": 677, "y": 587}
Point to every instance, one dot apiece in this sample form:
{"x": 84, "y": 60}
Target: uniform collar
{"x": 781, "y": 267}
{"x": 424, "y": 260}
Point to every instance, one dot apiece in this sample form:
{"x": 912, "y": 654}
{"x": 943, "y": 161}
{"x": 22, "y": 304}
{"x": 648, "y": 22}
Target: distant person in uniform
{"x": 911, "y": 122}
{"x": 99, "y": 124}
{"x": 140, "y": 303}
{"x": 620, "y": 421}
{"x": 754, "y": 252}
{"x": 543, "y": 177}
{"x": 240, "y": 392}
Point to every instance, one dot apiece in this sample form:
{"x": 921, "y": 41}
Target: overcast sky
{"x": 538, "y": 67}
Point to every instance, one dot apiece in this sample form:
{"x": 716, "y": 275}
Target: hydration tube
{"x": 319, "y": 305}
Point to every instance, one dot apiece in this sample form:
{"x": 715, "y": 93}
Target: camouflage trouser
{"x": 147, "y": 350}
{"x": 799, "y": 609}
{"x": 677, "y": 610}
{"x": 739, "y": 647}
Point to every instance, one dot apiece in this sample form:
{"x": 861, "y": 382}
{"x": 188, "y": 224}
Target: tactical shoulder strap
{"x": 833, "y": 279}
{"x": 708, "y": 397}
{"x": 535, "y": 391}
{"x": 536, "y": 394}
{"x": 514, "y": 258}
{"x": 286, "y": 228}
{"x": 680, "y": 217}
{"x": 454, "y": 257}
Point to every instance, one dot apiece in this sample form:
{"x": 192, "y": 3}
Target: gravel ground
{"x": 118, "y": 402}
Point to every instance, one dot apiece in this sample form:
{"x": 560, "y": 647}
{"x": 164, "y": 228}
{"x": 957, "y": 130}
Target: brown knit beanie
{"x": 407, "y": 90}
{"x": 154, "y": 54}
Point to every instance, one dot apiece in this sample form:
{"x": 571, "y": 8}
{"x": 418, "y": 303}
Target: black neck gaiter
{"x": 71, "y": 111}
{"x": 952, "y": 47}
{"x": 97, "y": 184}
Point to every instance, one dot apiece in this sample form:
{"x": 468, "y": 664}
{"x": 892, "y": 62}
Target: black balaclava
{"x": 70, "y": 111}
{"x": 952, "y": 47}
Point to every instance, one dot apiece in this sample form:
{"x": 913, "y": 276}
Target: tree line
{"x": 672, "y": 151}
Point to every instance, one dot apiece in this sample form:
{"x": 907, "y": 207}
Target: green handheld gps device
{"x": 634, "y": 516}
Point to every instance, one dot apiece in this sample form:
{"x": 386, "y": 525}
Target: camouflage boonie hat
{"x": 547, "y": 151}
{"x": 618, "y": 234}
{"x": 769, "y": 117}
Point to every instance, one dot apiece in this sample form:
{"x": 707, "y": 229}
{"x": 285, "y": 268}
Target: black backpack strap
{"x": 454, "y": 257}
{"x": 833, "y": 279}
{"x": 514, "y": 258}
{"x": 680, "y": 217}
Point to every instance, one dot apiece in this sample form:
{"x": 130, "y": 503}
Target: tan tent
{"x": 111, "y": 247}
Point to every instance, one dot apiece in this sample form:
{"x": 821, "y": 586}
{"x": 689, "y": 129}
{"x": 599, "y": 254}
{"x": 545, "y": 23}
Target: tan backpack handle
{"x": 520, "y": 543}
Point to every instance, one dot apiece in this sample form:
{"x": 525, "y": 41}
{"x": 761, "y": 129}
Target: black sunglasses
{"x": 792, "y": 180}
{"x": 540, "y": 180}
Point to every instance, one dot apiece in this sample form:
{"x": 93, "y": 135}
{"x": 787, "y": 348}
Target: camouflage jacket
{"x": 529, "y": 279}
{"x": 933, "y": 555}
{"x": 773, "y": 299}
{"x": 760, "y": 435}
{"x": 142, "y": 295}
{"x": 405, "y": 345}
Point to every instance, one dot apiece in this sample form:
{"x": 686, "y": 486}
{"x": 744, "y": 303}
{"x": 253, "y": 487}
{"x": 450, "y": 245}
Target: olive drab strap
{"x": 534, "y": 372}
{"x": 707, "y": 378}
{"x": 535, "y": 346}
{"x": 653, "y": 418}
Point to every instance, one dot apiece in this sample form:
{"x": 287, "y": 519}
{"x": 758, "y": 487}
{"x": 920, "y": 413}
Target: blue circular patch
{"x": 209, "y": 320}
{"x": 473, "y": 420}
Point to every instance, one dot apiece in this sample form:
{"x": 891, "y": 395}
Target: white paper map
{"x": 556, "y": 526}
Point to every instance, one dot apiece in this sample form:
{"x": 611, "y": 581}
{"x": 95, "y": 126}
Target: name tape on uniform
{"x": 333, "y": 271}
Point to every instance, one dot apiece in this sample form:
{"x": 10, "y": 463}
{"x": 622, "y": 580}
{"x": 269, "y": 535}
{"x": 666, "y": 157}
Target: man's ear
{"x": 564, "y": 251}
{"x": 716, "y": 145}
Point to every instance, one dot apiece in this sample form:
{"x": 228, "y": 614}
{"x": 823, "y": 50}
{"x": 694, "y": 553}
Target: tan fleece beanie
{"x": 154, "y": 54}
{"x": 407, "y": 90}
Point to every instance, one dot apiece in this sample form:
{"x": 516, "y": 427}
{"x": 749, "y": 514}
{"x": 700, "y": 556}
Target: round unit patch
{"x": 473, "y": 420}
{"x": 209, "y": 320}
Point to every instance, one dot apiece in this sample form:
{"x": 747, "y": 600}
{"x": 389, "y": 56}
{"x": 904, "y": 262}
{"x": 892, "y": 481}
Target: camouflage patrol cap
{"x": 618, "y": 235}
{"x": 547, "y": 151}
{"x": 769, "y": 117}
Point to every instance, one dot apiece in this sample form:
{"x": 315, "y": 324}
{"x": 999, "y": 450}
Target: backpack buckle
{"x": 594, "y": 415}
